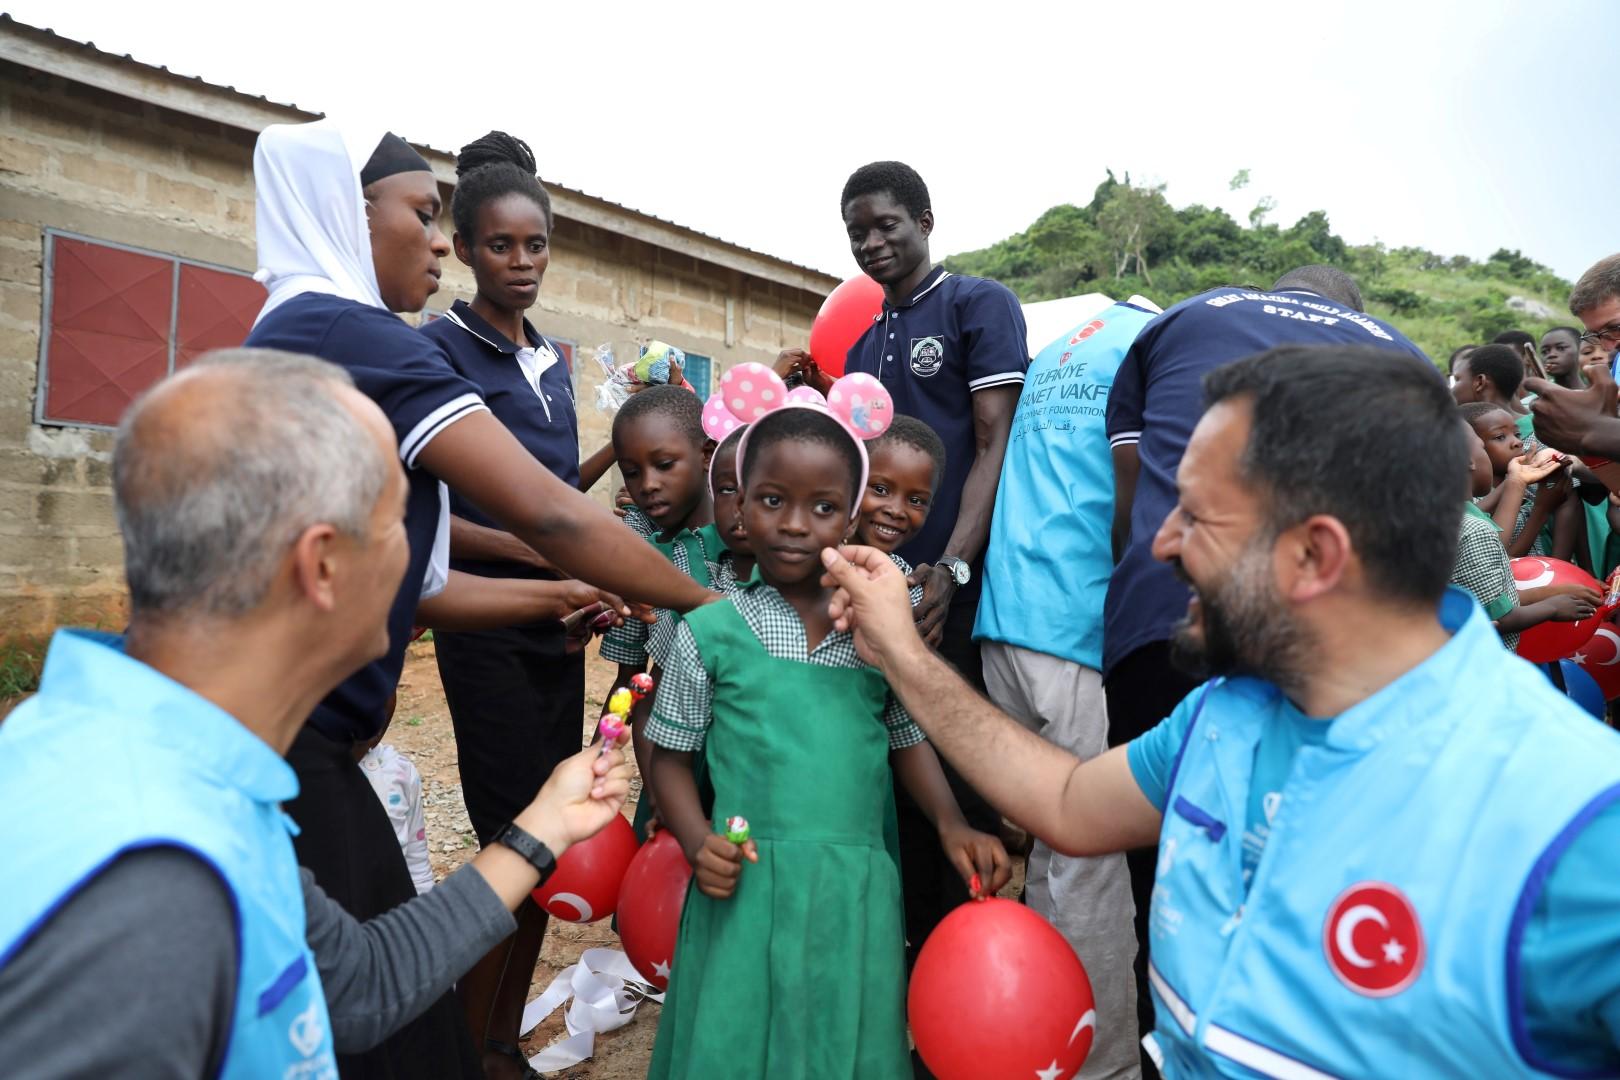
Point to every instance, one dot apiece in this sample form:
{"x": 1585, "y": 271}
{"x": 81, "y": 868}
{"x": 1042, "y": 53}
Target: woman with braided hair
{"x": 516, "y": 694}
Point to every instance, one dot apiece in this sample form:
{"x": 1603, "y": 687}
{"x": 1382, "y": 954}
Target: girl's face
{"x": 796, "y": 501}
{"x": 406, "y": 244}
{"x": 727, "y": 503}
{"x": 1500, "y": 434}
{"x": 509, "y": 253}
{"x": 1558, "y": 352}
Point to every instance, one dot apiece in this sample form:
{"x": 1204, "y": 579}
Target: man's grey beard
{"x": 1248, "y": 630}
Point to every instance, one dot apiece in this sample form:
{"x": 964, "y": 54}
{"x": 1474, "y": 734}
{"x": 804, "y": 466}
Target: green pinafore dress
{"x": 801, "y": 973}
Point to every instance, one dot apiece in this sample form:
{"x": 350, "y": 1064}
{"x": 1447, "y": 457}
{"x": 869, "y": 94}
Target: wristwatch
{"x": 961, "y": 573}
{"x": 533, "y": 851}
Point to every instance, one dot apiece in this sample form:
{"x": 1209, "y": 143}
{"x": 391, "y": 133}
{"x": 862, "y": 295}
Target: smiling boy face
{"x": 899, "y": 489}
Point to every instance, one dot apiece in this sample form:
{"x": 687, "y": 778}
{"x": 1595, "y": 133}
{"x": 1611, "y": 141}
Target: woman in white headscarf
{"x": 347, "y": 236}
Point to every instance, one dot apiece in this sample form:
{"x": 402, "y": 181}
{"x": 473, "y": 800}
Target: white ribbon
{"x": 605, "y": 988}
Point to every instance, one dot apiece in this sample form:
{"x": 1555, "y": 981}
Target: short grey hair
{"x": 1598, "y": 284}
{"x": 209, "y": 501}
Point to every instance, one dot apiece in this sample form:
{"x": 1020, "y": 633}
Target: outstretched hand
{"x": 1568, "y": 419}
{"x": 583, "y": 794}
{"x": 872, "y": 599}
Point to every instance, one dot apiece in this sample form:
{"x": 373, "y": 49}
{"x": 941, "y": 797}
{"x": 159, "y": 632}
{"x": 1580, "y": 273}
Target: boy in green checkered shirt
{"x": 1483, "y": 567}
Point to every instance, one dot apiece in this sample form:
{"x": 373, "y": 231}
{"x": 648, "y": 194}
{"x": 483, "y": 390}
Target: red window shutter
{"x": 217, "y": 309}
{"x": 109, "y": 329}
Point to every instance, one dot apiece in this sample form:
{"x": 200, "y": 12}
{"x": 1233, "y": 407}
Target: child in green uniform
{"x": 793, "y": 966}
{"x": 724, "y": 491}
{"x": 1482, "y": 567}
{"x": 906, "y": 463}
{"x": 660, "y": 448}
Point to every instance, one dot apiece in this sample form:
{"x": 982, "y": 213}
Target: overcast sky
{"x": 1460, "y": 127}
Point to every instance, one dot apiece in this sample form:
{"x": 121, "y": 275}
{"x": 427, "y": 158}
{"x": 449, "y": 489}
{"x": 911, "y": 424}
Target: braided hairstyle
{"x": 488, "y": 168}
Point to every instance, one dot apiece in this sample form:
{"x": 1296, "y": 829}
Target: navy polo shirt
{"x": 411, "y": 380}
{"x": 955, "y": 336}
{"x": 1156, "y": 401}
{"x": 540, "y": 416}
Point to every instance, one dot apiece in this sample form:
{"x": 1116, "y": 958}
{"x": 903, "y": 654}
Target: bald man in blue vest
{"x": 153, "y": 920}
{"x": 1386, "y": 845}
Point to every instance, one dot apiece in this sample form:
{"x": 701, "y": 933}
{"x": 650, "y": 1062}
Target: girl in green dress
{"x": 791, "y": 951}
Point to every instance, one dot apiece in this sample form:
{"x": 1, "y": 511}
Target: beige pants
{"x": 1088, "y": 900}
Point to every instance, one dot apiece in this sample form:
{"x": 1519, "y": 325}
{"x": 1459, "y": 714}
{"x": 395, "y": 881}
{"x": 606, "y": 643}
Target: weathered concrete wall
{"x": 96, "y": 163}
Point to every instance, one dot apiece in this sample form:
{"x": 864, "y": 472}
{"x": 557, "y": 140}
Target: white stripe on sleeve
{"x": 435, "y": 422}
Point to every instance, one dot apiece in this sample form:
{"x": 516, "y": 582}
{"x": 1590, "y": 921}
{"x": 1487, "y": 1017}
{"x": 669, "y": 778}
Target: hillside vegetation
{"x": 1129, "y": 239}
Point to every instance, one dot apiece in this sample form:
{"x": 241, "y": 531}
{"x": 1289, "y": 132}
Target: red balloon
{"x": 998, "y": 993}
{"x": 845, "y": 315}
{"x": 585, "y": 885}
{"x": 1549, "y": 641}
{"x": 1600, "y": 658}
{"x": 650, "y": 902}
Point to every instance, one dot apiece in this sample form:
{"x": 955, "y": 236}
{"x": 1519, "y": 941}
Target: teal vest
{"x": 1380, "y": 934}
{"x": 188, "y": 776}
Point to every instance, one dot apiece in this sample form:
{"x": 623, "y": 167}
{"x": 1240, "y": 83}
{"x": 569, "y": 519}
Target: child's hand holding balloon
{"x": 976, "y": 855}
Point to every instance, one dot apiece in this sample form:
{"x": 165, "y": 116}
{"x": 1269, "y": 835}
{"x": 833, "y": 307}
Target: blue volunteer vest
{"x": 189, "y": 776}
{"x": 1380, "y": 934}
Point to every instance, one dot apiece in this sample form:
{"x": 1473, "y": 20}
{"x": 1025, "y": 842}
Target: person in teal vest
{"x": 792, "y": 966}
{"x": 157, "y": 922}
{"x": 1386, "y": 845}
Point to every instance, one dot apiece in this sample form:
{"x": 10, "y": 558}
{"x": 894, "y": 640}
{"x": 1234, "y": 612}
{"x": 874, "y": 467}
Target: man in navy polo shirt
{"x": 952, "y": 350}
{"x": 1156, "y": 401}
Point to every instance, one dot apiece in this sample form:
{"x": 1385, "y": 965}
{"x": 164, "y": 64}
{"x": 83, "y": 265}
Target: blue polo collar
{"x": 926, "y": 286}
{"x": 462, "y": 314}
{"x": 91, "y": 670}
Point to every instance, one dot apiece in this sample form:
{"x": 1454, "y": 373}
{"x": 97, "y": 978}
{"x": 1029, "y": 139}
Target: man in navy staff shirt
{"x": 1157, "y": 398}
{"x": 952, "y": 350}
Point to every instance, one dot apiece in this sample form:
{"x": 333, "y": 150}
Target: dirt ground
{"x": 421, "y": 731}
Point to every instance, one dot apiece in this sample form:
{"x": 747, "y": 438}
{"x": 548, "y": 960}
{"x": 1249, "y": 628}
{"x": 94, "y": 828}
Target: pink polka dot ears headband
{"x": 749, "y": 391}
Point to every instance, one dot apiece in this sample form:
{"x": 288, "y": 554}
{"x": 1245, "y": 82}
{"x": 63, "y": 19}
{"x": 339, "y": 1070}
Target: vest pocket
{"x": 1213, "y": 827}
{"x": 282, "y": 985}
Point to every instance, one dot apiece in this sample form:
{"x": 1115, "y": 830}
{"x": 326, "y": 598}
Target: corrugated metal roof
{"x": 7, "y": 22}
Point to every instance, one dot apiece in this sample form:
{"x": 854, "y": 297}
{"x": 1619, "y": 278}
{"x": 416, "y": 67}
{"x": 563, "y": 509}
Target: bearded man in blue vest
{"x": 154, "y": 923}
{"x": 1386, "y": 844}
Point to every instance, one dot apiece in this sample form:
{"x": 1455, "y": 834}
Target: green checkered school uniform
{"x": 1483, "y": 567}
{"x": 801, "y": 972}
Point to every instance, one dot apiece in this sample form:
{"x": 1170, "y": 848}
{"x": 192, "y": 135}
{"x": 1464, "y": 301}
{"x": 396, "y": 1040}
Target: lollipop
{"x": 737, "y": 829}
{"x": 641, "y": 684}
{"x": 610, "y": 728}
{"x": 621, "y": 702}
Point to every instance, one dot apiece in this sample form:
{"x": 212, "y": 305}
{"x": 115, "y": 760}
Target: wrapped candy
{"x": 610, "y": 728}
{"x": 641, "y": 684}
{"x": 737, "y": 829}
{"x": 659, "y": 363}
{"x": 621, "y": 702}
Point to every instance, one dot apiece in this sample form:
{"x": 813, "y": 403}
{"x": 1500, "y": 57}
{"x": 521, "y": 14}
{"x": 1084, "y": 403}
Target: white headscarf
{"x": 310, "y": 215}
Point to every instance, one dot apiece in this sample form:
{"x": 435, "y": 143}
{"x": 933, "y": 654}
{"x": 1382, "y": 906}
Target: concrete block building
{"x": 126, "y": 245}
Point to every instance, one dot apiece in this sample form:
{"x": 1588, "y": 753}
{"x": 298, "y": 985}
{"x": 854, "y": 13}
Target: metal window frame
{"x": 47, "y": 298}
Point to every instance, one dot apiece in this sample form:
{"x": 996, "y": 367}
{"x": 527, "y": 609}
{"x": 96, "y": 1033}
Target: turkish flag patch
{"x": 1373, "y": 940}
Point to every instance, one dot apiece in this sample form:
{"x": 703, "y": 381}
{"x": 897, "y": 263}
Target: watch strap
{"x": 535, "y": 853}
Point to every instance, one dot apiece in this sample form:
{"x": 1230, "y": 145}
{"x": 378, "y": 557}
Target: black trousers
{"x": 1143, "y": 689}
{"x": 348, "y": 843}
{"x": 517, "y": 703}
{"x": 930, "y": 885}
